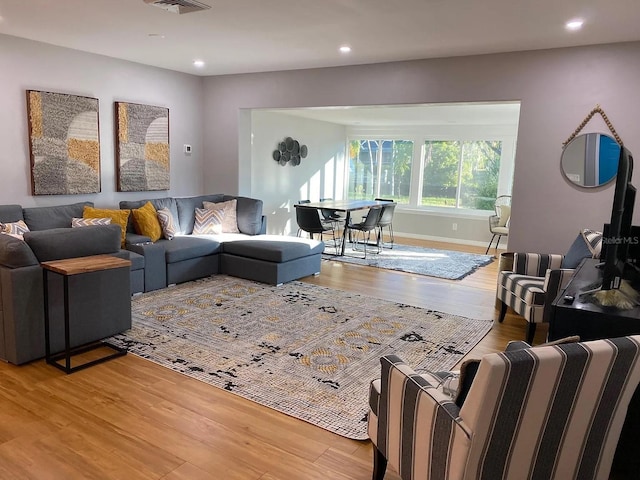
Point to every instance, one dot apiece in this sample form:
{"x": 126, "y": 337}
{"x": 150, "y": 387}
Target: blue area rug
{"x": 432, "y": 262}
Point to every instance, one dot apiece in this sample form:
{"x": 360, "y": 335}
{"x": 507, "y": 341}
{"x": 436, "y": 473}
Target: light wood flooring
{"x": 131, "y": 419}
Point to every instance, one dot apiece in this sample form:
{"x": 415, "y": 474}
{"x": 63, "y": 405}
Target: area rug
{"x": 304, "y": 350}
{"x": 423, "y": 261}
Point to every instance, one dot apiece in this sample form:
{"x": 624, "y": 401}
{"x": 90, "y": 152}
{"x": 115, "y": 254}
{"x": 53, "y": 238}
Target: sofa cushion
{"x": 59, "y": 243}
{"x": 228, "y": 214}
{"x": 274, "y": 248}
{"x": 145, "y": 220}
{"x": 118, "y": 217}
{"x": 137, "y": 260}
{"x": 44, "y": 218}
{"x": 186, "y": 247}
{"x": 248, "y": 214}
{"x": 15, "y": 253}
{"x": 186, "y": 210}
{"x": 10, "y": 213}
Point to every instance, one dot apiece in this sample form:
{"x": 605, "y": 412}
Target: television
{"x": 615, "y": 266}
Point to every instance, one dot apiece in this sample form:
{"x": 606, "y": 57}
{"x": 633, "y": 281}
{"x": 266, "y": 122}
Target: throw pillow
{"x": 208, "y": 222}
{"x": 229, "y": 221}
{"x": 119, "y": 217}
{"x": 15, "y": 229}
{"x": 504, "y": 212}
{"x": 85, "y": 222}
{"x": 145, "y": 221}
{"x": 577, "y": 252}
{"x": 167, "y": 224}
{"x": 593, "y": 239}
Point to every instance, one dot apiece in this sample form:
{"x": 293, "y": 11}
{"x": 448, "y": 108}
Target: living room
{"x": 556, "y": 88}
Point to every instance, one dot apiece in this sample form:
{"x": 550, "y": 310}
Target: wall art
{"x": 289, "y": 151}
{"x": 64, "y": 143}
{"x": 142, "y": 147}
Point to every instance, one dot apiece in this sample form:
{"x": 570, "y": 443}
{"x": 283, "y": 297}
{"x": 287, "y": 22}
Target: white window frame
{"x": 421, "y": 134}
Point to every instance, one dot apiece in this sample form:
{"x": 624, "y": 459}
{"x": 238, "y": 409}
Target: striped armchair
{"x": 547, "y": 412}
{"x": 531, "y": 286}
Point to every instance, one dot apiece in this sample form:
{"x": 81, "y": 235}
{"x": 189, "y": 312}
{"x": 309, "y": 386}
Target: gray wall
{"x": 557, "y": 88}
{"x": 27, "y": 65}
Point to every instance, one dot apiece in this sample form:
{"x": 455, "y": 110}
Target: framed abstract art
{"x": 142, "y": 147}
{"x": 64, "y": 143}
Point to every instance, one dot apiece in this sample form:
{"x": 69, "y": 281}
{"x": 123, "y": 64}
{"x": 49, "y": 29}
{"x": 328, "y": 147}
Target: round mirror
{"x": 590, "y": 159}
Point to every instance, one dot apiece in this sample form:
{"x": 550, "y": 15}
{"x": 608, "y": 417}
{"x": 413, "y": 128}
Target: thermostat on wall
{"x": 187, "y": 149}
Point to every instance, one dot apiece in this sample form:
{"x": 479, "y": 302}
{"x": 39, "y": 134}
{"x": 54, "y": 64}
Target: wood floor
{"x": 131, "y": 419}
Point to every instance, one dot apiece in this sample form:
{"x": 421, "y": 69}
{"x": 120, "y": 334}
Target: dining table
{"x": 346, "y": 206}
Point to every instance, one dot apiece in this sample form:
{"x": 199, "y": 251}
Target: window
{"x": 461, "y": 174}
{"x": 380, "y": 168}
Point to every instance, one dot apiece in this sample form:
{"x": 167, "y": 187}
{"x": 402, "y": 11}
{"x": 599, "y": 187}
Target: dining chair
{"x": 331, "y": 215}
{"x": 309, "y": 221}
{"x": 386, "y": 220}
{"x": 364, "y": 229}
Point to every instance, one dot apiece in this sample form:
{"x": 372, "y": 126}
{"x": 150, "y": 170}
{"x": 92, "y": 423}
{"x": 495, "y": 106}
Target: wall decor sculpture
{"x": 64, "y": 143}
{"x": 142, "y": 147}
{"x": 289, "y": 150}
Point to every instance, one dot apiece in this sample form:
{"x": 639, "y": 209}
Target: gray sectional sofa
{"x": 21, "y": 281}
{"x": 249, "y": 254}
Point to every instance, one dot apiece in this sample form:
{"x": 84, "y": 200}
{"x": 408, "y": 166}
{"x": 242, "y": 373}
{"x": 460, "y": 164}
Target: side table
{"x": 81, "y": 269}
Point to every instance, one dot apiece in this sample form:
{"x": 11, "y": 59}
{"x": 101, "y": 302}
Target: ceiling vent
{"x": 178, "y": 6}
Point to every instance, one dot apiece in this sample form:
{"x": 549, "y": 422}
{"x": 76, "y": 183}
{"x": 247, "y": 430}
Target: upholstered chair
{"x": 535, "y": 279}
{"x": 552, "y": 412}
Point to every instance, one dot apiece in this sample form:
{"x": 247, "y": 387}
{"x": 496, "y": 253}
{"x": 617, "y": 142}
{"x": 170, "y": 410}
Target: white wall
{"x": 557, "y": 89}
{"x": 280, "y": 187}
{"x": 25, "y": 65}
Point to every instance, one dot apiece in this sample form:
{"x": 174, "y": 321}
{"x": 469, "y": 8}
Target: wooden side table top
{"x": 93, "y": 263}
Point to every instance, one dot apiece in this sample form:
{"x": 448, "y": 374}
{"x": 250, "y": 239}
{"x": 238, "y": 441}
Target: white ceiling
{"x": 241, "y": 36}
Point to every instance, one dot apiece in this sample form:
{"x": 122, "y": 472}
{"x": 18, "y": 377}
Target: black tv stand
{"x": 581, "y": 316}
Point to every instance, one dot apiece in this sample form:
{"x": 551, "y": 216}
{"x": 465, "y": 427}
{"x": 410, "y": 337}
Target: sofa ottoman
{"x": 271, "y": 259}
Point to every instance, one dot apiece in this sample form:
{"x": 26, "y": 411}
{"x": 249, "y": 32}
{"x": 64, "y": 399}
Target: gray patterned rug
{"x": 301, "y": 349}
{"x": 423, "y": 261}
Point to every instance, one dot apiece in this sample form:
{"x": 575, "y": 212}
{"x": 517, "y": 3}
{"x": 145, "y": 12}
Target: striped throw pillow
{"x": 593, "y": 239}
{"x": 85, "y": 222}
{"x": 15, "y": 229}
{"x": 208, "y": 222}
{"x": 167, "y": 224}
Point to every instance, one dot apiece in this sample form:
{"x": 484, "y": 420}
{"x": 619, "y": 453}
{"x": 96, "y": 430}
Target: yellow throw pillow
{"x": 145, "y": 221}
{"x": 119, "y": 217}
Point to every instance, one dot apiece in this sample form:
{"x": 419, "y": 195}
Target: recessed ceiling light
{"x": 345, "y": 49}
{"x": 198, "y": 63}
{"x": 574, "y": 25}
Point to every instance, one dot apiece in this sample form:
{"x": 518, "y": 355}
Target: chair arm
{"x": 536, "y": 264}
{"x": 413, "y": 413}
{"x": 494, "y": 221}
{"x": 554, "y": 282}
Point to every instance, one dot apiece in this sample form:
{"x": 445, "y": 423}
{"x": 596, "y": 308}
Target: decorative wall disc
{"x": 289, "y": 151}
